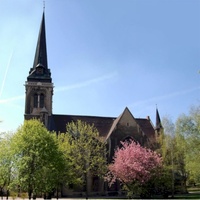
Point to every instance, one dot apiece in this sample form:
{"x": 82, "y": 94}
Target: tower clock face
{"x": 40, "y": 71}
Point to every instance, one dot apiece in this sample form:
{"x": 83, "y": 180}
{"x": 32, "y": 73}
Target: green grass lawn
{"x": 187, "y": 196}
{"x": 193, "y": 193}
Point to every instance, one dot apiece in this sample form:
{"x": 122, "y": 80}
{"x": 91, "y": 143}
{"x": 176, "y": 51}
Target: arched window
{"x": 128, "y": 139}
{"x": 35, "y": 101}
{"x": 41, "y": 100}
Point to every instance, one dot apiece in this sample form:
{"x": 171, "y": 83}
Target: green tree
{"x": 39, "y": 164}
{"x": 6, "y": 175}
{"x": 174, "y": 156}
{"x": 85, "y": 151}
{"x": 188, "y": 134}
{"x": 165, "y": 183}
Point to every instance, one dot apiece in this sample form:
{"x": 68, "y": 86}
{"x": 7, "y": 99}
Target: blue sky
{"x": 104, "y": 55}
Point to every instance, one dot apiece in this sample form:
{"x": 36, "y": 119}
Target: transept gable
{"x": 124, "y": 126}
{"x": 127, "y": 119}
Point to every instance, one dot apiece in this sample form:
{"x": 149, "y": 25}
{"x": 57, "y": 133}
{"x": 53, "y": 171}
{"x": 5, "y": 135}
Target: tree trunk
{"x": 29, "y": 194}
{"x": 1, "y": 193}
{"x": 7, "y": 194}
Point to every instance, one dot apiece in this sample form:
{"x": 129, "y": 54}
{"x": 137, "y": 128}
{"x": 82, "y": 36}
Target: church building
{"x": 38, "y": 104}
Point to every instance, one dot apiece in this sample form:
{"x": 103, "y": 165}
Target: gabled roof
{"x": 146, "y": 126}
{"x": 114, "y": 125}
{"x": 103, "y": 124}
{"x": 112, "y": 128}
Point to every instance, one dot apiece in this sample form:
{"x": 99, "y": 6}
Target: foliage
{"x": 167, "y": 140}
{"x": 84, "y": 150}
{"x": 173, "y": 157}
{"x": 6, "y": 175}
{"x": 188, "y": 135}
{"x": 133, "y": 165}
{"x": 39, "y": 163}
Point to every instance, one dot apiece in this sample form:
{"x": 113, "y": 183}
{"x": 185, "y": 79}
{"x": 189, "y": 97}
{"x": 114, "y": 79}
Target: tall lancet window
{"x": 41, "y": 100}
{"x": 35, "y": 101}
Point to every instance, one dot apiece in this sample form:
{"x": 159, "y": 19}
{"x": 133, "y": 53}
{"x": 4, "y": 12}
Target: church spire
{"x": 39, "y": 71}
{"x": 158, "y": 121}
{"x": 41, "y": 51}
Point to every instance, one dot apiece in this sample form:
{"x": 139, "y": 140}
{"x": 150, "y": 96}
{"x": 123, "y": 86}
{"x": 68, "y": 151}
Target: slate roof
{"x": 40, "y": 60}
{"x": 158, "y": 121}
{"x": 146, "y": 126}
{"x": 112, "y": 128}
{"x": 103, "y": 124}
{"x": 41, "y": 51}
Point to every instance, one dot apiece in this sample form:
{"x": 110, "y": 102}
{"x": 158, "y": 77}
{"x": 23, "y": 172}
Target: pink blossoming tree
{"x": 133, "y": 165}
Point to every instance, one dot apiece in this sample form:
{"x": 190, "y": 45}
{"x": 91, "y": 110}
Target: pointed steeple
{"x": 158, "y": 121}
{"x": 39, "y": 71}
{"x": 41, "y": 51}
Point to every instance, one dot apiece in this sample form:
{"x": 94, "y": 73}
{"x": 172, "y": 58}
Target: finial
{"x": 43, "y": 5}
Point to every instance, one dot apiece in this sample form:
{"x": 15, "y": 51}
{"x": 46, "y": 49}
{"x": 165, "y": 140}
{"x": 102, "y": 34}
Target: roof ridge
{"x": 89, "y": 116}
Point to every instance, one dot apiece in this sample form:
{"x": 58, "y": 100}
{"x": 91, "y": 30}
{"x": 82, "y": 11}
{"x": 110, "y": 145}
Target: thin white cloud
{"x": 11, "y": 99}
{"x": 5, "y": 75}
{"x": 86, "y": 83}
{"x": 167, "y": 96}
{"x": 64, "y": 88}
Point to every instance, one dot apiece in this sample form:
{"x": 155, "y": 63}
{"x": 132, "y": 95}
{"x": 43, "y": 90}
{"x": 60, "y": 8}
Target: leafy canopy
{"x": 38, "y": 161}
{"x": 188, "y": 141}
{"x": 84, "y": 150}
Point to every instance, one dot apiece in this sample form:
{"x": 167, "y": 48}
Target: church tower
{"x": 39, "y": 86}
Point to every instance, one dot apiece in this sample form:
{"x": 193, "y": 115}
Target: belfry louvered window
{"x": 41, "y": 100}
{"x": 38, "y": 100}
{"x": 35, "y": 103}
